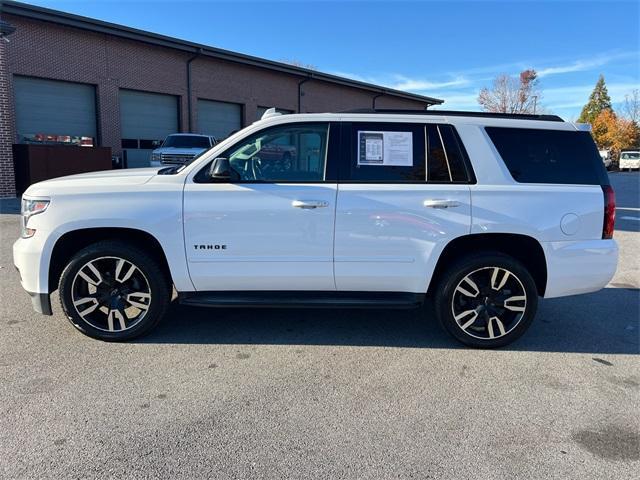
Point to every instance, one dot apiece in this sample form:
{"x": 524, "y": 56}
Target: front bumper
{"x": 41, "y": 303}
{"x": 28, "y": 260}
{"x": 577, "y": 267}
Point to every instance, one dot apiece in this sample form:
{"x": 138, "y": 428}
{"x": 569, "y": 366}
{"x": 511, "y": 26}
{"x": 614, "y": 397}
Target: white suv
{"x": 483, "y": 213}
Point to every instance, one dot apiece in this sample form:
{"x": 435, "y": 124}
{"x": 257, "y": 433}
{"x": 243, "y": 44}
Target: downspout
{"x": 373, "y": 100}
{"x": 189, "y": 106}
{"x": 300, "y": 83}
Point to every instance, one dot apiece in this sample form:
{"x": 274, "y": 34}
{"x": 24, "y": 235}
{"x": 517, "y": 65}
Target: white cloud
{"x": 582, "y": 65}
{"x": 402, "y": 82}
{"x": 417, "y": 84}
{"x": 459, "y": 101}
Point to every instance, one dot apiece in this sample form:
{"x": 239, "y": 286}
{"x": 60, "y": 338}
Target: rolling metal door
{"x": 145, "y": 119}
{"x": 219, "y": 119}
{"x": 54, "y": 111}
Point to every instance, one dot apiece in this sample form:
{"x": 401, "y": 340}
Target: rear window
{"x": 549, "y": 156}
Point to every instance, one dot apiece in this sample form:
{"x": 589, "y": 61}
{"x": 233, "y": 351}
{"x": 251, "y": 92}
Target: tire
{"x": 127, "y": 297}
{"x": 497, "y": 316}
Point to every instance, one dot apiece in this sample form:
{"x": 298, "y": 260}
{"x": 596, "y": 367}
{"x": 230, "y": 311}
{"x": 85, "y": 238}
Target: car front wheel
{"x": 486, "y": 300}
{"x": 113, "y": 291}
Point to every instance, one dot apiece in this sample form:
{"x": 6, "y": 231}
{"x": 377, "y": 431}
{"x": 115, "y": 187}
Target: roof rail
{"x": 458, "y": 113}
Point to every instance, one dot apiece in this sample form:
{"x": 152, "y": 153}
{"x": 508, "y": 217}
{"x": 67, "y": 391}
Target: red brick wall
{"x": 7, "y": 183}
{"x": 49, "y": 50}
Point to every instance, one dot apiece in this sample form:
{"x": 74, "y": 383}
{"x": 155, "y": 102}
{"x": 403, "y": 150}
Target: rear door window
{"x": 549, "y": 156}
{"x": 378, "y": 152}
{"x": 385, "y": 153}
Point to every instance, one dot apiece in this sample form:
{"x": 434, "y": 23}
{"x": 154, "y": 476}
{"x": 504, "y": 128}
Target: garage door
{"x": 219, "y": 119}
{"x": 50, "y": 111}
{"x": 145, "y": 119}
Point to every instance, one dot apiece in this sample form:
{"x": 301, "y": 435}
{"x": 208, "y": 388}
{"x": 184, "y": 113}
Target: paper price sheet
{"x": 385, "y": 148}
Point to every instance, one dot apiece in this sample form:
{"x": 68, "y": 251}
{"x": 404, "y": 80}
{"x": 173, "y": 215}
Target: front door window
{"x": 290, "y": 153}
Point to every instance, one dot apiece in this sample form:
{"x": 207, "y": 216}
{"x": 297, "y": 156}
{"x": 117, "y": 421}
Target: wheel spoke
{"x": 498, "y": 323}
{"x": 88, "y": 308}
{"x": 115, "y": 314}
{"x": 515, "y": 308}
{"x": 474, "y": 293}
{"x": 494, "y": 278}
{"x": 120, "y": 265}
{"x": 97, "y": 280}
{"x": 139, "y": 300}
{"x": 469, "y": 321}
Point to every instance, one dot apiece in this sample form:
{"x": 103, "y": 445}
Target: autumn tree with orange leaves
{"x": 613, "y": 133}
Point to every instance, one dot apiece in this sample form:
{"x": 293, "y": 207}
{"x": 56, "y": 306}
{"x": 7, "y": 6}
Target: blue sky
{"x": 444, "y": 49}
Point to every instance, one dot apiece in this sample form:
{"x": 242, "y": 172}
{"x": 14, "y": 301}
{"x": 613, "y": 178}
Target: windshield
{"x": 630, "y": 156}
{"x": 186, "y": 141}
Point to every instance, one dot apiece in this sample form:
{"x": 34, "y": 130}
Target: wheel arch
{"x": 73, "y": 241}
{"x": 523, "y": 248}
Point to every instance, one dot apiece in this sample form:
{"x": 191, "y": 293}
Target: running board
{"x": 300, "y": 299}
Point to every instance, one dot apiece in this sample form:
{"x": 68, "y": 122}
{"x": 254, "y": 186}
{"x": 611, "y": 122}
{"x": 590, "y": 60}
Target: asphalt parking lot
{"x": 326, "y": 394}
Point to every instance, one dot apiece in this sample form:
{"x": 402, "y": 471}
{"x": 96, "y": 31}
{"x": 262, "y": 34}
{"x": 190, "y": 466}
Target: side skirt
{"x": 302, "y": 299}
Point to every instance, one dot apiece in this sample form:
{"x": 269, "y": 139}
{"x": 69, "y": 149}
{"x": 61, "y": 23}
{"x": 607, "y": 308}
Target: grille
{"x": 176, "y": 157}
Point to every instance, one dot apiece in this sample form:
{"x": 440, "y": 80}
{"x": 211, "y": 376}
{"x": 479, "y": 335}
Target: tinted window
{"x": 456, "y": 154}
{"x": 549, "y": 156}
{"x": 437, "y": 166}
{"x": 289, "y": 153}
{"x": 386, "y": 152}
{"x": 186, "y": 141}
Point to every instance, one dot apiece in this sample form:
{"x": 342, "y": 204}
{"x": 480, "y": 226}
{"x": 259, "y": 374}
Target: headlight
{"x": 156, "y": 157}
{"x": 29, "y": 209}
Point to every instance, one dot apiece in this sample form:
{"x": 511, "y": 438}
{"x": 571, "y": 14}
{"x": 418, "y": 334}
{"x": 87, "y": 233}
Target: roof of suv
{"x": 550, "y": 122}
{"x": 458, "y": 113}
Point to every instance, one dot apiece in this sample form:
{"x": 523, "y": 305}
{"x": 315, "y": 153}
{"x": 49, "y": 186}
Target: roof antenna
{"x": 271, "y": 112}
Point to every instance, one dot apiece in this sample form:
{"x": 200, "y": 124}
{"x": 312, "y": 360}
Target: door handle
{"x": 309, "y": 204}
{"x": 439, "y": 203}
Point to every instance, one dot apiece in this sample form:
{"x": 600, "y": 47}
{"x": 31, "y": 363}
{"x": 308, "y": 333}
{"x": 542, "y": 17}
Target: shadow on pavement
{"x": 602, "y": 322}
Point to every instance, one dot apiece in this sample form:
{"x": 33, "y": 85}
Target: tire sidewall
{"x": 157, "y": 284}
{"x": 462, "y": 268}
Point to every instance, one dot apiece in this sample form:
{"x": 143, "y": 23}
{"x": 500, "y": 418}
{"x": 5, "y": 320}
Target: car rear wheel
{"x": 486, "y": 300}
{"x": 113, "y": 291}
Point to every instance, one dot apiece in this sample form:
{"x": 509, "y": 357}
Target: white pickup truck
{"x": 482, "y": 213}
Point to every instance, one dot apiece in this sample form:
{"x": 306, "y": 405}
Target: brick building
{"x": 74, "y": 80}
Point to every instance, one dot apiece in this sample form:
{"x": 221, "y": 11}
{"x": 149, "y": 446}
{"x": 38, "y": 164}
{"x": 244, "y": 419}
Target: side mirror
{"x": 221, "y": 171}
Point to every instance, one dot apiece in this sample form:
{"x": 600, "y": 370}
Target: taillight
{"x": 609, "y": 211}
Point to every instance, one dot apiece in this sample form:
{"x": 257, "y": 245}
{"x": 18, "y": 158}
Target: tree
{"x": 511, "y": 95}
{"x": 613, "y": 133}
{"x": 631, "y": 106}
{"x": 598, "y": 102}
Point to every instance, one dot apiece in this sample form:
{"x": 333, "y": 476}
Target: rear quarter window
{"x": 549, "y": 156}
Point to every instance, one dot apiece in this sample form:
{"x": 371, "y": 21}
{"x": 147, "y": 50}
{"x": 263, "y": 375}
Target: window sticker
{"x": 385, "y": 148}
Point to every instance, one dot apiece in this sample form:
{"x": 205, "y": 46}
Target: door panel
{"x": 273, "y": 229}
{"x": 264, "y": 241}
{"x": 389, "y": 237}
{"x": 391, "y": 224}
